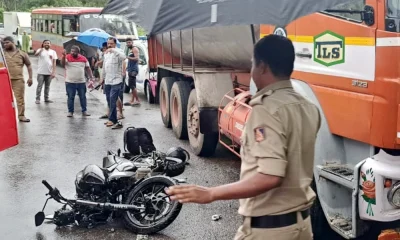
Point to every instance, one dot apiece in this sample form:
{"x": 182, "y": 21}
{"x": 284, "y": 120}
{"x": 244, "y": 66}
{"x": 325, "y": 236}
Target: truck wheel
{"x": 165, "y": 93}
{"x": 149, "y": 93}
{"x": 320, "y": 225}
{"x": 178, "y": 104}
{"x": 202, "y": 144}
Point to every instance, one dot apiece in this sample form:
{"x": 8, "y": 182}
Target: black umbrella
{"x": 157, "y": 16}
{"x": 86, "y": 50}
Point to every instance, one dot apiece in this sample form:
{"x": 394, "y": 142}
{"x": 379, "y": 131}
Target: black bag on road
{"x": 138, "y": 140}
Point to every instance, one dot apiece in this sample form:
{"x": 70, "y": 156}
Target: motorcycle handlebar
{"x": 45, "y": 183}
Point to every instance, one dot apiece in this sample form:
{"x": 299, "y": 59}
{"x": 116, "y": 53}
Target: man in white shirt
{"x": 75, "y": 66}
{"x": 119, "y": 101}
{"x": 113, "y": 73}
{"x": 46, "y": 70}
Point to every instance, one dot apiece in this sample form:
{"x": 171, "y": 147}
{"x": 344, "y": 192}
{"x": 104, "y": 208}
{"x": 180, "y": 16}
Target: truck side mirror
{"x": 368, "y": 15}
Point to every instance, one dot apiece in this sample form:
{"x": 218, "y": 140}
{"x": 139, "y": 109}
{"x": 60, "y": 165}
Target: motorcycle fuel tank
{"x": 91, "y": 177}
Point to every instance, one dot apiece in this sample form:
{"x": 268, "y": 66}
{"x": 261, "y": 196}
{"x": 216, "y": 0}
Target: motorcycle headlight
{"x": 394, "y": 195}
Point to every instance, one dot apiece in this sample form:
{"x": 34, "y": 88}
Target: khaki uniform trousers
{"x": 300, "y": 231}
{"x": 18, "y": 87}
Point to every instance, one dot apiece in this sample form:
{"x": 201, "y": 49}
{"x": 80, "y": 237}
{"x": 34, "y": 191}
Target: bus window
{"x": 46, "y": 26}
{"x": 53, "y": 27}
{"x": 59, "y": 28}
{"x": 42, "y": 25}
{"x": 67, "y": 26}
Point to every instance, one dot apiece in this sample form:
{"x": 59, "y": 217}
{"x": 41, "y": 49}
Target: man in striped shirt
{"x": 75, "y": 66}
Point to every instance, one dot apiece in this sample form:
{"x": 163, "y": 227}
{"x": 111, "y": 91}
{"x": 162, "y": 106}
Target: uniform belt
{"x": 277, "y": 221}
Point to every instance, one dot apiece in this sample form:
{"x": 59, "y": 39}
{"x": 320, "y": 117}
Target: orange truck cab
{"x": 8, "y": 123}
{"x": 347, "y": 63}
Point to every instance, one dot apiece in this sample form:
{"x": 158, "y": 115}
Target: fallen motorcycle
{"x": 133, "y": 189}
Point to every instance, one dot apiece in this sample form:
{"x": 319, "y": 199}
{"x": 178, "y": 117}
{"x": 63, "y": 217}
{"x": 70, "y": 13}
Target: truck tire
{"x": 320, "y": 225}
{"x": 178, "y": 107}
{"x": 165, "y": 93}
{"x": 149, "y": 93}
{"x": 201, "y": 144}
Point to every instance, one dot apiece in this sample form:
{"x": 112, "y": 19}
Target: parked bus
{"x": 59, "y": 25}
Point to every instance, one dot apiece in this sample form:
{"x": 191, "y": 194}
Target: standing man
{"x": 46, "y": 70}
{"x": 25, "y": 42}
{"x": 277, "y": 153}
{"x": 119, "y": 102}
{"x": 75, "y": 65}
{"x": 129, "y": 45}
{"x": 133, "y": 69}
{"x": 113, "y": 72}
{"x": 16, "y": 60}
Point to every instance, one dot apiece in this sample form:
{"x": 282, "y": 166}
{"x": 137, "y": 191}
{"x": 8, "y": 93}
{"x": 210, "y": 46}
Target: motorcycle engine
{"x": 90, "y": 181}
{"x": 64, "y": 217}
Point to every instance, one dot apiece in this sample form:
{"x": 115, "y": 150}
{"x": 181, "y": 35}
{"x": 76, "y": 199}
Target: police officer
{"x": 277, "y": 153}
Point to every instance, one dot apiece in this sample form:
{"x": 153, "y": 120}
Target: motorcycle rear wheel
{"x": 145, "y": 195}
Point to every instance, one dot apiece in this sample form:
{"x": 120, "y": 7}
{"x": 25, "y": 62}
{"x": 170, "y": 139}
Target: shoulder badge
{"x": 259, "y": 134}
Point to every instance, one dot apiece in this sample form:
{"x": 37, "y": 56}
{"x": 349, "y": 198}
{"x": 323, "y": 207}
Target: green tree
{"x": 141, "y": 31}
{"x": 1, "y": 14}
{"x": 94, "y": 3}
{"x": 32, "y": 4}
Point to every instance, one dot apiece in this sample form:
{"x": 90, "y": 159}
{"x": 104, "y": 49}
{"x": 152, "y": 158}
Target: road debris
{"x": 142, "y": 237}
{"x": 216, "y": 217}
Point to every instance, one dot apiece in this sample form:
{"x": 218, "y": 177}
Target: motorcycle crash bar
{"x": 108, "y": 206}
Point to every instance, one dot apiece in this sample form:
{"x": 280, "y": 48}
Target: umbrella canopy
{"x": 88, "y": 51}
{"x": 95, "y": 37}
{"x": 157, "y": 16}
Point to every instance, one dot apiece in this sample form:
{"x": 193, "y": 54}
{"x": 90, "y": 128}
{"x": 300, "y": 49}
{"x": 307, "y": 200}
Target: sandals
{"x": 118, "y": 125}
{"x": 24, "y": 120}
{"x": 109, "y": 124}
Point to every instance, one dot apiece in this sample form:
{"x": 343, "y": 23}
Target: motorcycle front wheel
{"x": 159, "y": 210}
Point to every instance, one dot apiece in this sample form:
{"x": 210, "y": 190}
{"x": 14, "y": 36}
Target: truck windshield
{"x": 112, "y": 24}
{"x": 393, "y": 8}
{"x": 349, "y": 11}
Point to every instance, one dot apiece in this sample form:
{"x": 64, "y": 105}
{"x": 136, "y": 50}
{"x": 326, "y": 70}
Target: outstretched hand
{"x": 190, "y": 194}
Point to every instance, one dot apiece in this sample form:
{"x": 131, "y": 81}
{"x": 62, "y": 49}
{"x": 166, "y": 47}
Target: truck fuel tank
{"x": 233, "y": 116}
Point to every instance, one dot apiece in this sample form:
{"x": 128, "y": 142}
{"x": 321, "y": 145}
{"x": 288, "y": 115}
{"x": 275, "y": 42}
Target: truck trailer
{"x": 347, "y": 63}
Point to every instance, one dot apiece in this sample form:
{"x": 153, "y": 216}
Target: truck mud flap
{"x": 208, "y": 120}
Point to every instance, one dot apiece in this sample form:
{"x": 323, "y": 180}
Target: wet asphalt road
{"x": 55, "y": 148}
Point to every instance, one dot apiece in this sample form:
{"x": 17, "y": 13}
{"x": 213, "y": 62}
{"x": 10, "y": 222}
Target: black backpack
{"x": 138, "y": 140}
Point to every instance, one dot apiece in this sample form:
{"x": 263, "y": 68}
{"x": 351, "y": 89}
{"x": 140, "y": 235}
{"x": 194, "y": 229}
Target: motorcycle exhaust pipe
{"x": 108, "y": 206}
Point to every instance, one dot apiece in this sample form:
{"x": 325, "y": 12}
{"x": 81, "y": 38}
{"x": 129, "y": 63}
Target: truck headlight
{"x": 394, "y": 195}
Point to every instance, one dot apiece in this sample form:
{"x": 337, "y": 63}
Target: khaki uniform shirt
{"x": 279, "y": 139}
{"x": 15, "y": 63}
